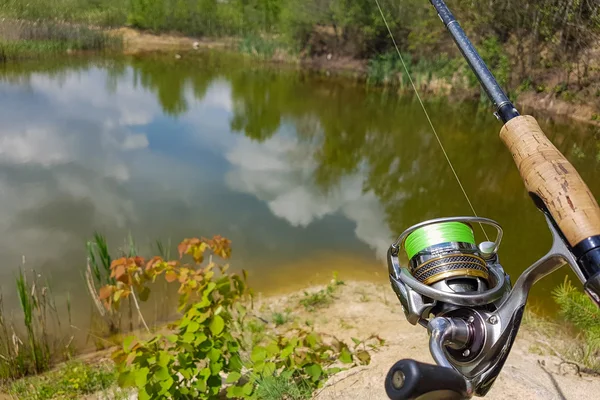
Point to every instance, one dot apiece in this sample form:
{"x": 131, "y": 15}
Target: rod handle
{"x": 550, "y": 176}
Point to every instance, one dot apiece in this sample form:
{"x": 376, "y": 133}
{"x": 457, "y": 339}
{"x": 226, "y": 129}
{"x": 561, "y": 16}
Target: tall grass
{"x": 91, "y": 12}
{"x": 32, "y": 344}
{"x": 25, "y": 39}
{"x": 97, "y": 274}
{"x": 387, "y": 69}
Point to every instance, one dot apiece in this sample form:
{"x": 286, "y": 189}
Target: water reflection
{"x": 295, "y": 169}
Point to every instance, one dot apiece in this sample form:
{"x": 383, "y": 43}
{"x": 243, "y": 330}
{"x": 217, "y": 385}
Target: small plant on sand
{"x": 279, "y": 387}
{"x": 323, "y": 297}
{"x": 73, "y": 380}
{"x": 210, "y": 342}
{"x": 279, "y": 318}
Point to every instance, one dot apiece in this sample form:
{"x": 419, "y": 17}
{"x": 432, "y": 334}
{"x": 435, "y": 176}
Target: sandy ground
{"x": 362, "y": 309}
{"x": 138, "y": 42}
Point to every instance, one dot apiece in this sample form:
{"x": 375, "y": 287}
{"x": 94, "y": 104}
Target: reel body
{"x": 458, "y": 290}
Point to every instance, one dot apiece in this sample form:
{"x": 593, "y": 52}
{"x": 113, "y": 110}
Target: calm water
{"x": 306, "y": 175}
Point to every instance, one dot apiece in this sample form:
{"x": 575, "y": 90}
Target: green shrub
{"x": 211, "y": 340}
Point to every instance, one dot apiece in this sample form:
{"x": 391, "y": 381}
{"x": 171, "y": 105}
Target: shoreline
{"x": 136, "y": 42}
{"x": 547, "y": 103}
{"x": 358, "y": 309}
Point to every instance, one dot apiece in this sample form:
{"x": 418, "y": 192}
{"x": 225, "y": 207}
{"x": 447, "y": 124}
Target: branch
{"x": 137, "y": 306}
{"x": 580, "y": 367}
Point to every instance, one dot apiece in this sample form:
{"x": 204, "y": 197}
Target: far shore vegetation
{"x": 538, "y": 46}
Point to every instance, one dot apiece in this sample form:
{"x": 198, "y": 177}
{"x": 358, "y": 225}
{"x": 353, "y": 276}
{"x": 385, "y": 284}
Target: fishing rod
{"x": 457, "y": 288}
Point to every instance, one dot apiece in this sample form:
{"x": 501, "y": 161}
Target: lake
{"x": 306, "y": 174}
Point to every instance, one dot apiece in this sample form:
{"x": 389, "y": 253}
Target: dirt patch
{"x": 362, "y": 309}
{"x": 549, "y": 104}
{"x": 136, "y": 42}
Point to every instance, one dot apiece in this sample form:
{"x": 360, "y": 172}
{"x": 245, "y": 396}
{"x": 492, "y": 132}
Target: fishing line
{"x": 427, "y": 115}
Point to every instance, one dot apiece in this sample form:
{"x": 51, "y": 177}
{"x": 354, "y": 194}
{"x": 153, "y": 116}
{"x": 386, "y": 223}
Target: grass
{"x": 264, "y": 48}
{"x": 321, "y": 298}
{"x": 279, "y": 318}
{"x": 280, "y": 388}
{"x": 91, "y": 12}
{"x": 72, "y": 380}
{"x": 387, "y": 69}
{"x": 26, "y": 40}
{"x": 31, "y": 345}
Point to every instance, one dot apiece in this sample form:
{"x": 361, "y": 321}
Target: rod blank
{"x": 504, "y": 108}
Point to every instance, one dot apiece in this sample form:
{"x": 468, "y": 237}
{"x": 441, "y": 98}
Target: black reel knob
{"x": 412, "y": 380}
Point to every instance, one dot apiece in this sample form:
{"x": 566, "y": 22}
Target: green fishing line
{"x": 443, "y": 232}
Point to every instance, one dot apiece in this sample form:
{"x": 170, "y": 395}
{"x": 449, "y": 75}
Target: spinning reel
{"x": 458, "y": 290}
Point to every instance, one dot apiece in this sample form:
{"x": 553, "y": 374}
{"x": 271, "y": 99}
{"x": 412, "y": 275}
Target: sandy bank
{"x": 361, "y": 309}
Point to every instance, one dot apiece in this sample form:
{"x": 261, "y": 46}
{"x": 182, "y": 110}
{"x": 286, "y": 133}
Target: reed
{"x": 97, "y": 274}
{"x": 25, "y": 39}
{"x": 32, "y": 344}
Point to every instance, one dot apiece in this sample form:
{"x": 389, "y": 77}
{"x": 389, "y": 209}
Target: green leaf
{"x": 172, "y": 338}
{"x": 247, "y": 389}
{"x": 364, "y": 357}
{"x": 215, "y": 367}
{"x": 144, "y": 293}
{"x": 258, "y": 367}
{"x": 162, "y": 374}
{"x": 188, "y": 337}
{"x": 200, "y": 339}
{"x": 235, "y": 363}
{"x": 214, "y": 354}
{"x": 287, "y": 351}
{"x": 272, "y": 349}
{"x": 258, "y": 354}
{"x": 166, "y": 385}
{"x": 128, "y": 343}
{"x": 141, "y": 377}
{"x": 269, "y": 369}
{"x": 209, "y": 288}
{"x": 217, "y": 325}
{"x": 233, "y": 377}
{"x": 143, "y": 395}
{"x": 192, "y": 327}
{"x": 312, "y": 339}
{"x": 234, "y": 392}
{"x": 314, "y": 370}
{"x": 345, "y": 356}
{"x": 334, "y": 370}
{"x": 164, "y": 358}
{"x": 356, "y": 341}
{"x": 126, "y": 379}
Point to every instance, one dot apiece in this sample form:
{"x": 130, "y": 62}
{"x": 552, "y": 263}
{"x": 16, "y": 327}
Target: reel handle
{"x": 411, "y": 380}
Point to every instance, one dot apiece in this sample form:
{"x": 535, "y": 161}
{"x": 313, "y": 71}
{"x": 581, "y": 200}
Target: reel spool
{"x": 444, "y": 255}
{"x": 446, "y": 269}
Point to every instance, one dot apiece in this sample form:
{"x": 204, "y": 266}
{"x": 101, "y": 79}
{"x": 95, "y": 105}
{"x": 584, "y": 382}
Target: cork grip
{"x": 547, "y": 173}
